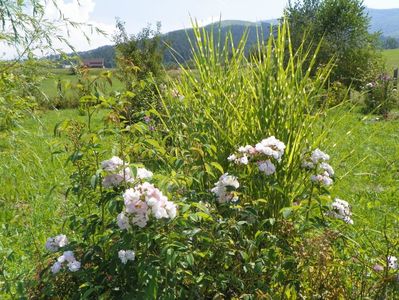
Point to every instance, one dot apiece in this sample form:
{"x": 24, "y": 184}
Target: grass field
{"x": 32, "y": 198}
{"x": 69, "y": 81}
{"x": 392, "y": 58}
{"x": 35, "y": 177}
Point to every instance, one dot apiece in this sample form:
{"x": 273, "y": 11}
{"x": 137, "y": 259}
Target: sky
{"x": 173, "y": 14}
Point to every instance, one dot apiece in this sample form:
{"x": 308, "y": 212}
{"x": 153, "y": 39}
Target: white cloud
{"x": 79, "y": 11}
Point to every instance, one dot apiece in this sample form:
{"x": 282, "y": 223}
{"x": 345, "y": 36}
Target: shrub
{"x": 380, "y": 96}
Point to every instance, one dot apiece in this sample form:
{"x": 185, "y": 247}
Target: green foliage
{"x": 381, "y": 95}
{"x": 139, "y": 60}
{"x": 390, "y": 43}
{"x": 342, "y": 28}
{"x": 138, "y": 55}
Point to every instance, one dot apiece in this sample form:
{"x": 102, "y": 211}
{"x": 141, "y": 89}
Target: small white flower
{"x": 171, "y": 209}
{"x": 114, "y": 180}
{"x": 267, "y": 167}
{"x": 123, "y": 221}
{"x": 326, "y": 167}
{"x": 229, "y": 180}
{"x": 143, "y": 173}
{"x": 220, "y": 189}
{"x": 323, "y": 179}
{"x": 271, "y": 147}
{"x": 319, "y": 156}
{"x": 340, "y": 209}
{"x": 112, "y": 164}
{"x": 74, "y": 266}
{"x": 54, "y": 243}
{"x": 159, "y": 212}
{"x": 131, "y": 196}
{"x": 67, "y": 256}
{"x": 126, "y": 255}
{"x": 56, "y": 267}
{"x": 243, "y": 160}
{"x": 232, "y": 157}
{"x": 392, "y": 262}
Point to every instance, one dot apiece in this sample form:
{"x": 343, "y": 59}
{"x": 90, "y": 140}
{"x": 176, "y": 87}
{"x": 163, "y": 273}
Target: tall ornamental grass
{"x": 229, "y": 100}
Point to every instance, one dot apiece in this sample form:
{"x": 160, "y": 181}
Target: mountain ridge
{"x": 382, "y": 20}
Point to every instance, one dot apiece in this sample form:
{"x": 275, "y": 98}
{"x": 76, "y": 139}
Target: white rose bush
{"x": 231, "y": 197}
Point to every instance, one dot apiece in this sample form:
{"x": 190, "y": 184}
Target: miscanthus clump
{"x": 264, "y": 154}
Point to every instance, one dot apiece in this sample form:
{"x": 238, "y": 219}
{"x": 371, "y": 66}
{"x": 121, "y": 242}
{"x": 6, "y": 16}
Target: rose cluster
{"x": 141, "y": 202}
{"x": 340, "y": 209}
{"x": 69, "y": 258}
{"x": 224, "y": 188}
{"x": 118, "y": 171}
{"x": 323, "y": 171}
{"x": 262, "y": 153}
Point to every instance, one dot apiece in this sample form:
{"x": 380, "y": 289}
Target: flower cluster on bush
{"x": 322, "y": 171}
{"x": 69, "y": 258}
{"x": 141, "y": 202}
{"x": 262, "y": 154}
{"x": 224, "y": 188}
{"x": 340, "y": 209}
{"x": 118, "y": 171}
{"x": 53, "y": 244}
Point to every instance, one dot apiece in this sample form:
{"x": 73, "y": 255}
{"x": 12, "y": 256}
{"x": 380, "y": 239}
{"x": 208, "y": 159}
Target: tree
{"x": 140, "y": 54}
{"x": 390, "y": 43}
{"x": 340, "y": 28}
{"x": 139, "y": 63}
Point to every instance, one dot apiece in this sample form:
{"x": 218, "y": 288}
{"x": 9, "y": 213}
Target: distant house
{"x": 94, "y": 63}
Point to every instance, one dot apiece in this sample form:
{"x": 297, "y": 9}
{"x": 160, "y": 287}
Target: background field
{"x": 392, "y": 58}
{"x": 67, "y": 78}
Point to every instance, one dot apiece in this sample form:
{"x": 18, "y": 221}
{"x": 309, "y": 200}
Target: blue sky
{"x": 173, "y": 15}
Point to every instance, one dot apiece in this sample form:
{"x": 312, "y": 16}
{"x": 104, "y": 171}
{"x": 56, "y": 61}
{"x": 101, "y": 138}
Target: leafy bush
{"x": 340, "y": 30}
{"x": 139, "y": 61}
{"x": 381, "y": 95}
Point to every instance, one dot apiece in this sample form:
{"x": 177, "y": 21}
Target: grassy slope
{"x": 364, "y": 153}
{"x": 49, "y": 85}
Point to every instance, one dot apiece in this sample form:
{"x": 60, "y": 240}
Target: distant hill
{"x": 384, "y": 20}
{"x": 179, "y": 41}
